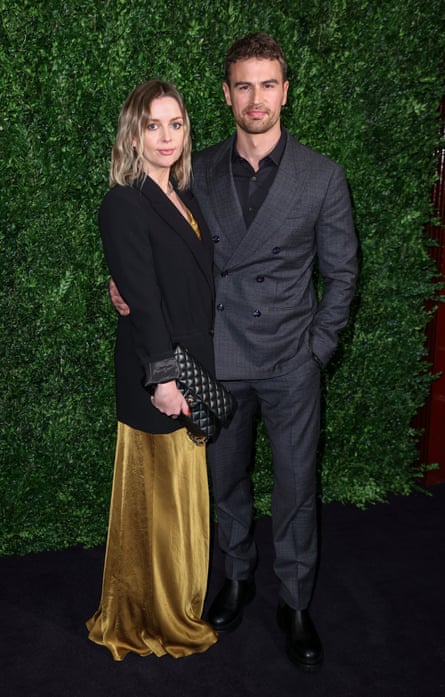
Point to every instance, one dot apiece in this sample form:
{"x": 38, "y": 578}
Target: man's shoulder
{"x": 301, "y": 151}
{"x": 213, "y": 152}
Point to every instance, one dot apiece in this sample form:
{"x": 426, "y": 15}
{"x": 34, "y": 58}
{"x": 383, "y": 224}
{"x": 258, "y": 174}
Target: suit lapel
{"x": 289, "y": 184}
{"x": 202, "y": 250}
{"x": 224, "y": 202}
{"x": 275, "y": 207}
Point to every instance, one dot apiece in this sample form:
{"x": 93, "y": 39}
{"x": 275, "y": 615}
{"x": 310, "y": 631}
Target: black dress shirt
{"x": 252, "y": 187}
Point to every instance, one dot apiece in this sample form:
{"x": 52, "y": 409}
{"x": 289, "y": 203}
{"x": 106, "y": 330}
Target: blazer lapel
{"x": 225, "y": 207}
{"x": 224, "y": 202}
{"x": 202, "y": 250}
{"x": 275, "y": 208}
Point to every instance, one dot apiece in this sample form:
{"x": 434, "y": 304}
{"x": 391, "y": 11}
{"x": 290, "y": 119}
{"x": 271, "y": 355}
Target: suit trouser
{"x": 290, "y": 408}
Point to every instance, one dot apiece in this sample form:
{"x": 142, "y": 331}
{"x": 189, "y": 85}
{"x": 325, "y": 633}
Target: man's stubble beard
{"x": 257, "y": 127}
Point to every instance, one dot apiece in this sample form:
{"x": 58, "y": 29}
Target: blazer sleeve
{"x": 337, "y": 261}
{"x": 124, "y": 222}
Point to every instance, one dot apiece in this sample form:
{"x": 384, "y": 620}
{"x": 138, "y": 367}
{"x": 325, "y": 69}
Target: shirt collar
{"x": 274, "y": 156}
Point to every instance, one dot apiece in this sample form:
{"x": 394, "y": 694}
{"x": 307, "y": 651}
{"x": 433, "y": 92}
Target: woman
{"x": 159, "y": 252}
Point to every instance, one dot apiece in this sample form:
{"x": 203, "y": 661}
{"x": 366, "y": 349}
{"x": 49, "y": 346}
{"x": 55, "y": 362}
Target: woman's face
{"x": 163, "y": 136}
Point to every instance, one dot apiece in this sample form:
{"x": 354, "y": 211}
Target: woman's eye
{"x": 152, "y": 127}
{"x": 177, "y": 125}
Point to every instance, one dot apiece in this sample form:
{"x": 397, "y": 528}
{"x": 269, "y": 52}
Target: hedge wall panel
{"x": 365, "y": 89}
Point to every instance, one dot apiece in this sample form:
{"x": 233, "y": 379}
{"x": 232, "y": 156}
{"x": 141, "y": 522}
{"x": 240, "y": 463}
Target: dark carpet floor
{"x": 379, "y": 607}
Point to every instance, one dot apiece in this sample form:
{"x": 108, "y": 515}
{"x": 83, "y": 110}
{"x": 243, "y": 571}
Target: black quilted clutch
{"x": 211, "y": 404}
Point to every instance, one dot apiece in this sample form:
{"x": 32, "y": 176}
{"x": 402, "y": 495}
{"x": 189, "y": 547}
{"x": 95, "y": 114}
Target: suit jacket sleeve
{"x": 337, "y": 261}
{"x": 124, "y": 228}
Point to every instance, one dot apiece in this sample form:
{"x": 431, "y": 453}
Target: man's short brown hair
{"x": 256, "y": 45}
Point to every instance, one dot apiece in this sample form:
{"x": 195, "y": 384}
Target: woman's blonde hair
{"x": 127, "y": 157}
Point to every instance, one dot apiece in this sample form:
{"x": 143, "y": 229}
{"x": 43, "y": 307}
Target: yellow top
{"x": 193, "y": 224}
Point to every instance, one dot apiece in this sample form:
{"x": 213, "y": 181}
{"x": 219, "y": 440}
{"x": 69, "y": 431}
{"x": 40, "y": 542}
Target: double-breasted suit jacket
{"x": 165, "y": 274}
{"x": 268, "y": 320}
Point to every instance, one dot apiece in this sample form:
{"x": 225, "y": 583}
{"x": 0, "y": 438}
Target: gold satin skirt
{"x": 157, "y": 553}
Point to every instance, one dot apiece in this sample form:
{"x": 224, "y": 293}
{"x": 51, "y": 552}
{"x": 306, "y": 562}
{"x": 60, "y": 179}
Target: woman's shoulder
{"x": 119, "y": 196}
{"x": 119, "y": 192}
{"x": 123, "y": 205}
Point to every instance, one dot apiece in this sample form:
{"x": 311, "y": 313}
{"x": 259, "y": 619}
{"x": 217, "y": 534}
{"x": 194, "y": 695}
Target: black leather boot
{"x": 226, "y": 611}
{"x": 303, "y": 646}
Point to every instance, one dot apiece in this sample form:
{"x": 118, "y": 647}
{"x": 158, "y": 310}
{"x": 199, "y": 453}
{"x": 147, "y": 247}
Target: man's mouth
{"x": 256, "y": 113}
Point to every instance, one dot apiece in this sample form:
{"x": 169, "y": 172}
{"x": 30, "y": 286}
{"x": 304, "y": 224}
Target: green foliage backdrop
{"x": 365, "y": 89}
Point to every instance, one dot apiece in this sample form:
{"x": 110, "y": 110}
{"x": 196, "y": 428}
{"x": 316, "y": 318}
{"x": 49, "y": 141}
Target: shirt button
{"x": 224, "y": 273}
{"x": 276, "y": 250}
{"x": 256, "y": 313}
{"x": 216, "y": 238}
{"x": 259, "y": 279}
{"x": 220, "y": 307}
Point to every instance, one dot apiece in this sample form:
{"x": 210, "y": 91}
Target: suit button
{"x": 211, "y": 332}
{"x": 276, "y": 250}
{"x": 259, "y": 279}
{"x": 256, "y": 313}
{"x": 224, "y": 273}
{"x": 220, "y": 307}
{"x": 216, "y": 238}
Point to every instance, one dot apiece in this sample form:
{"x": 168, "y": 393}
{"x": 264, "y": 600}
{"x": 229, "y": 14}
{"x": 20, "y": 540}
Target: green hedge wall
{"x": 365, "y": 89}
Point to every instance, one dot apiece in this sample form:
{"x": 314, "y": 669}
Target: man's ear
{"x": 226, "y": 90}
{"x": 285, "y": 89}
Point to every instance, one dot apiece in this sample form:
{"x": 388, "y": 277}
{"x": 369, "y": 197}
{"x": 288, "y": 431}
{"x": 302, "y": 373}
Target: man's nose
{"x": 256, "y": 95}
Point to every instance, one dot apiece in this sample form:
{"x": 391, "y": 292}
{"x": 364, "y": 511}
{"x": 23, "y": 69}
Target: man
{"x": 275, "y": 208}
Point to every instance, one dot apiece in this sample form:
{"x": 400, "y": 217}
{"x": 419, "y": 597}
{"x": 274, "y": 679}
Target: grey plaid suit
{"x": 271, "y": 336}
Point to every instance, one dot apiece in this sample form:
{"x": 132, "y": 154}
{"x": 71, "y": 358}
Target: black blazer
{"x": 164, "y": 272}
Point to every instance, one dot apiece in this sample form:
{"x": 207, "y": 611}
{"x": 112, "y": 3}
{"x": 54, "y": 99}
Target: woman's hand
{"x": 169, "y": 400}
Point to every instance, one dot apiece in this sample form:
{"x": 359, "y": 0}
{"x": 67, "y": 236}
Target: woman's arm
{"x": 123, "y": 222}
